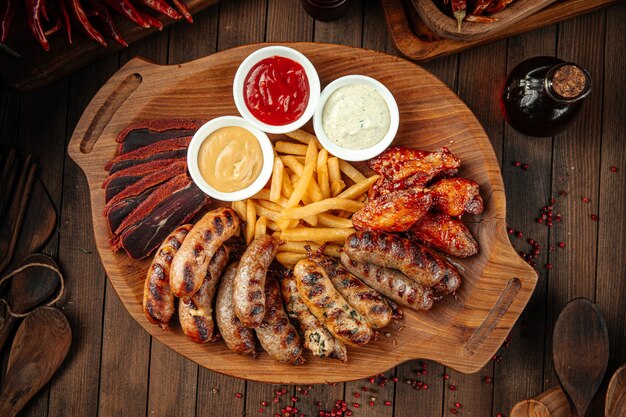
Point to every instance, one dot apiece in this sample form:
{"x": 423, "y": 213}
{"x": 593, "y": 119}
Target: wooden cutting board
{"x": 462, "y": 332}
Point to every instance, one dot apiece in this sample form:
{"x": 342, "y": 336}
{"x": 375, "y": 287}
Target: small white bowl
{"x": 357, "y": 154}
{"x": 200, "y": 136}
{"x": 252, "y": 60}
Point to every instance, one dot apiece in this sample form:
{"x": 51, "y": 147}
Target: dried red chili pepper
{"x": 498, "y": 5}
{"x": 6, "y": 17}
{"x": 459, "y": 10}
{"x": 163, "y": 8}
{"x": 124, "y": 8}
{"x": 33, "y": 10}
{"x": 58, "y": 25}
{"x": 107, "y": 22}
{"x": 182, "y": 8}
{"x": 65, "y": 17}
{"x": 79, "y": 14}
{"x": 481, "y": 6}
{"x": 151, "y": 20}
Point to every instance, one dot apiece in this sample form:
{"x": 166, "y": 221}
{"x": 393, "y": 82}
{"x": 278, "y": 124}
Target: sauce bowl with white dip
{"x": 357, "y": 118}
{"x": 230, "y": 159}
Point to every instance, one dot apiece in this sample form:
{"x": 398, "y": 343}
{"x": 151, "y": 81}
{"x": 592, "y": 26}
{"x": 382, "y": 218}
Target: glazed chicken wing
{"x": 448, "y": 235}
{"x": 455, "y": 196}
{"x": 399, "y": 163}
{"x": 393, "y": 212}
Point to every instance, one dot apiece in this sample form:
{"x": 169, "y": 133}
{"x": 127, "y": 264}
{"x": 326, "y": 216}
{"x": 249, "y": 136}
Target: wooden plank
{"x": 526, "y": 192}
{"x": 576, "y": 169}
{"x": 611, "y": 265}
{"x": 217, "y": 393}
{"x": 375, "y": 35}
{"x": 346, "y": 31}
{"x": 240, "y": 25}
{"x": 188, "y": 42}
{"x": 288, "y": 23}
{"x": 416, "y": 394}
{"x": 74, "y": 390}
{"x": 119, "y": 325}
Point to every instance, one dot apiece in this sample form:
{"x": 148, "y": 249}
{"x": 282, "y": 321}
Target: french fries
{"x": 306, "y": 203}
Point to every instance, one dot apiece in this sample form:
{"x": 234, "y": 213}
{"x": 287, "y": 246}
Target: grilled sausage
{"x": 330, "y": 308}
{"x": 195, "y": 313}
{"x": 392, "y": 251}
{"x": 238, "y": 338}
{"x": 394, "y": 284}
{"x": 249, "y": 286}
{"x": 158, "y": 299}
{"x": 276, "y": 333}
{"x": 191, "y": 262}
{"x": 365, "y": 300}
{"x": 316, "y": 338}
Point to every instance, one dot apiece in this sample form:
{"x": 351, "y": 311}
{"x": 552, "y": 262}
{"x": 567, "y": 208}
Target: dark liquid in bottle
{"x": 530, "y": 103}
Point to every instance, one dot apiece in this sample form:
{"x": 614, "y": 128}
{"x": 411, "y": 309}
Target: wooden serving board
{"x": 36, "y": 67}
{"x": 462, "y": 332}
{"x": 415, "y": 41}
{"x": 447, "y": 27}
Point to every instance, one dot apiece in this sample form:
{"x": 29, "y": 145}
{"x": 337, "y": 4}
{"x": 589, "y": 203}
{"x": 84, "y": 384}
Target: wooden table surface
{"x": 115, "y": 369}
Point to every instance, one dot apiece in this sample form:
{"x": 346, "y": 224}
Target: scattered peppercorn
{"x": 487, "y": 380}
{"x": 613, "y": 168}
{"x": 594, "y": 217}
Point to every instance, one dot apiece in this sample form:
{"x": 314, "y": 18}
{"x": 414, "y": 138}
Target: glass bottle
{"x": 543, "y": 94}
{"x": 326, "y": 10}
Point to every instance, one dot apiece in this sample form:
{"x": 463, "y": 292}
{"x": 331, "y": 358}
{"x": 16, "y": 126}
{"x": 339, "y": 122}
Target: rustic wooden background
{"x": 115, "y": 369}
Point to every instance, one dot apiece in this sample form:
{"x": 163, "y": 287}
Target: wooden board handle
{"x": 103, "y": 106}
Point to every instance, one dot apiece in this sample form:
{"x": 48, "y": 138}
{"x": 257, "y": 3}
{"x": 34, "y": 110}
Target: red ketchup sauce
{"x": 276, "y": 91}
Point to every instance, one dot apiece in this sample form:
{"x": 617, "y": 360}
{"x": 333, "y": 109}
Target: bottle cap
{"x": 568, "y": 82}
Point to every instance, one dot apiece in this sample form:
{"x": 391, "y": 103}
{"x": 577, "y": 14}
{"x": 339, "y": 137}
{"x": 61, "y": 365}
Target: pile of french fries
{"x": 310, "y": 200}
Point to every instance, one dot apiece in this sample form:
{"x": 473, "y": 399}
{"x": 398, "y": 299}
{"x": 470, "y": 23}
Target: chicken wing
{"x": 393, "y": 212}
{"x": 399, "y": 163}
{"x": 448, "y": 235}
{"x": 455, "y": 196}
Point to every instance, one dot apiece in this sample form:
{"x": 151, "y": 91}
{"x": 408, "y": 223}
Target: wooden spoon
{"x": 615, "y": 405}
{"x": 580, "y": 352}
{"x": 40, "y": 346}
{"x": 530, "y": 408}
{"x": 29, "y": 288}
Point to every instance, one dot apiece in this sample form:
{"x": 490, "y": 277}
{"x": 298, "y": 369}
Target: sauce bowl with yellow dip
{"x": 230, "y": 159}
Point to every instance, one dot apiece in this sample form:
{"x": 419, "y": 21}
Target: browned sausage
{"x": 392, "y": 251}
{"x": 316, "y": 338}
{"x": 249, "y": 286}
{"x": 158, "y": 299}
{"x": 394, "y": 284}
{"x": 195, "y": 313}
{"x": 191, "y": 262}
{"x": 238, "y": 338}
{"x": 276, "y": 333}
{"x": 330, "y": 308}
{"x": 365, "y": 300}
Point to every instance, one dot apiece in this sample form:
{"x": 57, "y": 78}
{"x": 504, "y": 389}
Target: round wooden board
{"x": 462, "y": 332}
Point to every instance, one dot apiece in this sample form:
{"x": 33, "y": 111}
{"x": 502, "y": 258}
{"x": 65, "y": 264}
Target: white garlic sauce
{"x": 356, "y": 116}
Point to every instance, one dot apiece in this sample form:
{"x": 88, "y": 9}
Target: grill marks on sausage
{"x": 249, "y": 285}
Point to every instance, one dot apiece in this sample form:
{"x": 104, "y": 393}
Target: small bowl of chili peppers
{"x": 276, "y": 89}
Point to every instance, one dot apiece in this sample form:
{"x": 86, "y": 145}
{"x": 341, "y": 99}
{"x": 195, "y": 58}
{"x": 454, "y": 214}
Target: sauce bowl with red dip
{"x": 276, "y": 89}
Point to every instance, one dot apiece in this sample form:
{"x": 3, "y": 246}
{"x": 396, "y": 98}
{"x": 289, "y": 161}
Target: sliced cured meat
{"x": 167, "y": 207}
{"x": 116, "y": 182}
{"x": 149, "y": 181}
{"x": 176, "y": 154}
{"x": 147, "y": 132}
{"x": 146, "y": 153}
{"x": 118, "y": 211}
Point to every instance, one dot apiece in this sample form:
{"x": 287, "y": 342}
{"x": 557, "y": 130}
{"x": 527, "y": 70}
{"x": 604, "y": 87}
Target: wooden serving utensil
{"x": 530, "y": 408}
{"x": 31, "y": 362}
{"x": 580, "y": 352}
{"x": 615, "y": 405}
{"x": 29, "y": 288}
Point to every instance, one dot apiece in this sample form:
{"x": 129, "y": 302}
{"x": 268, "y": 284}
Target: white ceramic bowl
{"x": 200, "y": 136}
{"x": 252, "y": 60}
{"x": 357, "y": 154}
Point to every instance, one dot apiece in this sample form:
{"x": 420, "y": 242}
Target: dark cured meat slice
{"x": 149, "y": 151}
{"x": 148, "y": 181}
{"x": 155, "y": 198}
{"x": 123, "y": 208}
{"x": 121, "y": 165}
{"x": 178, "y": 207}
{"x": 143, "y": 137}
{"x": 114, "y": 184}
{"x": 146, "y": 132}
